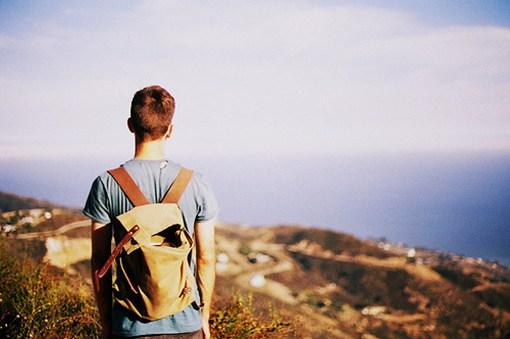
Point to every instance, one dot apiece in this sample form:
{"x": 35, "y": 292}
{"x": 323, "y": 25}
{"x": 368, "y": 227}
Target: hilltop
{"x": 326, "y": 284}
{"x": 11, "y": 202}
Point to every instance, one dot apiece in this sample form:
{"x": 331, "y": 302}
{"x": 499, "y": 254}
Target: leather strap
{"x": 173, "y": 195}
{"x": 128, "y": 186}
{"x": 98, "y": 274}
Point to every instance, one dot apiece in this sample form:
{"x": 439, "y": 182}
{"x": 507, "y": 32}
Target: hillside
{"x": 11, "y": 202}
{"x": 321, "y": 283}
{"x": 341, "y": 286}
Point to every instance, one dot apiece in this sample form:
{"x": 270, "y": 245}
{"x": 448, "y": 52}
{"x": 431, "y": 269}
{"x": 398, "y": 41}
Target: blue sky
{"x": 284, "y": 77}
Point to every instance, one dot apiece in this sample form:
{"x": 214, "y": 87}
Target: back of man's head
{"x": 152, "y": 110}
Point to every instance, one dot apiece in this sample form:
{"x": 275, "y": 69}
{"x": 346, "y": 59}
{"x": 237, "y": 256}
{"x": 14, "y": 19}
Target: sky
{"x": 257, "y": 77}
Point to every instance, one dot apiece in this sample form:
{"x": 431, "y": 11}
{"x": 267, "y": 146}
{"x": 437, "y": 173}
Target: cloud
{"x": 285, "y": 77}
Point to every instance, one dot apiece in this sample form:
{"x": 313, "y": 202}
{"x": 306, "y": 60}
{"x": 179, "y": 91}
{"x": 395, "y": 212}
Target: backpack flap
{"x": 153, "y": 220}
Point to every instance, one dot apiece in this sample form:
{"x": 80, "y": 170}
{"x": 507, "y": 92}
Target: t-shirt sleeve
{"x": 96, "y": 207}
{"x": 207, "y": 204}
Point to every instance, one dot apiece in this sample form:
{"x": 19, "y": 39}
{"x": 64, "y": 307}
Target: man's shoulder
{"x": 105, "y": 181}
{"x": 199, "y": 181}
{"x": 138, "y": 171}
{"x": 104, "y": 178}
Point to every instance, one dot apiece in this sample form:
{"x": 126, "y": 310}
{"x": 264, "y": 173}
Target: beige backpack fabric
{"x": 153, "y": 276}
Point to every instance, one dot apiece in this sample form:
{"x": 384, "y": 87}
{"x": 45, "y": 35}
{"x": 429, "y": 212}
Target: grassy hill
{"x": 341, "y": 286}
{"x": 11, "y": 202}
{"x": 335, "y": 242}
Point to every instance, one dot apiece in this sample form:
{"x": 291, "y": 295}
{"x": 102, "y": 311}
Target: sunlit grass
{"x": 237, "y": 319}
{"x": 38, "y": 301}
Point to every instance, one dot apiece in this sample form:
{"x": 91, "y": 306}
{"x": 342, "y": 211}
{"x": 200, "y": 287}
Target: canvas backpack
{"x": 153, "y": 275}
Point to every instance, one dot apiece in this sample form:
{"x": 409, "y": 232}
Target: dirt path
{"x": 58, "y": 231}
{"x": 244, "y": 271}
{"x": 273, "y": 288}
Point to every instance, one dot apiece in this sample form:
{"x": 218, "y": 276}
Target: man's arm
{"x": 101, "y": 245}
{"x": 206, "y": 266}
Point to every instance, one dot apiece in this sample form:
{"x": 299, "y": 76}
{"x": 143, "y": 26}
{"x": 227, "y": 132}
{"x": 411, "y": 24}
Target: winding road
{"x": 51, "y": 233}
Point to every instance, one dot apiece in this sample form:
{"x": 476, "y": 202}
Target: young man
{"x": 152, "y": 109}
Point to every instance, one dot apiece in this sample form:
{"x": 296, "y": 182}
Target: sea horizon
{"x": 454, "y": 202}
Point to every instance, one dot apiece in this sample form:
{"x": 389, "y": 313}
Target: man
{"x": 152, "y": 109}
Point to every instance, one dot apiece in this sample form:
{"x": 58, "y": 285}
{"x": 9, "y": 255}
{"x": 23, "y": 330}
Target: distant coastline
{"x": 446, "y": 202}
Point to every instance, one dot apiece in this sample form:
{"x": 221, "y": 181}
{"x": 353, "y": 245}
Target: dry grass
{"x": 237, "y": 319}
{"x": 39, "y": 302}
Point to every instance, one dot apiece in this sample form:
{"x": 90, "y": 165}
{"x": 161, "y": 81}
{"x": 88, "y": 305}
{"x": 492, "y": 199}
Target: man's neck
{"x": 150, "y": 150}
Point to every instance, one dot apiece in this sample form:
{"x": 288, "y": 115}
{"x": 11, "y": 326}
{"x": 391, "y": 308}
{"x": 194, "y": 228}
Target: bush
{"x": 38, "y": 303}
{"x": 237, "y": 320}
{"x": 244, "y": 249}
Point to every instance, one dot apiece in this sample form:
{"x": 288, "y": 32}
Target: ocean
{"x": 455, "y": 202}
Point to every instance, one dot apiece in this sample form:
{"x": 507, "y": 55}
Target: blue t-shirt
{"x": 197, "y": 203}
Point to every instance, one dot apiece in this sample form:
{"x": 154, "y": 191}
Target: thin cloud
{"x": 258, "y": 77}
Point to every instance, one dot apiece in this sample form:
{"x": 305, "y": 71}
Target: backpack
{"x": 153, "y": 276}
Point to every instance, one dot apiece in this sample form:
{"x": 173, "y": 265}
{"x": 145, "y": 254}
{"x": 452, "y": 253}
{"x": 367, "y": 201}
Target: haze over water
{"x": 457, "y": 202}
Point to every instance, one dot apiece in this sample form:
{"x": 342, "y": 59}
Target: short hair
{"x": 152, "y": 110}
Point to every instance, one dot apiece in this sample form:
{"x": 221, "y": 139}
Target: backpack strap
{"x": 128, "y": 186}
{"x": 100, "y": 273}
{"x": 175, "y": 191}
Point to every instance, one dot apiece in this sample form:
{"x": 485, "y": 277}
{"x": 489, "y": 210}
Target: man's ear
{"x": 169, "y": 131}
{"x": 130, "y": 125}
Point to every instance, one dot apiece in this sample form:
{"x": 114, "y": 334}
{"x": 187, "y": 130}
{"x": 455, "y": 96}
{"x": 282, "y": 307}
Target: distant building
{"x": 36, "y": 212}
{"x": 262, "y": 258}
{"x": 26, "y": 220}
{"x": 258, "y": 258}
{"x": 373, "y": 310}
{"x": 257, "y": 280}
{"x": 8, "y": 229}
{"x": 411, "y": 255}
